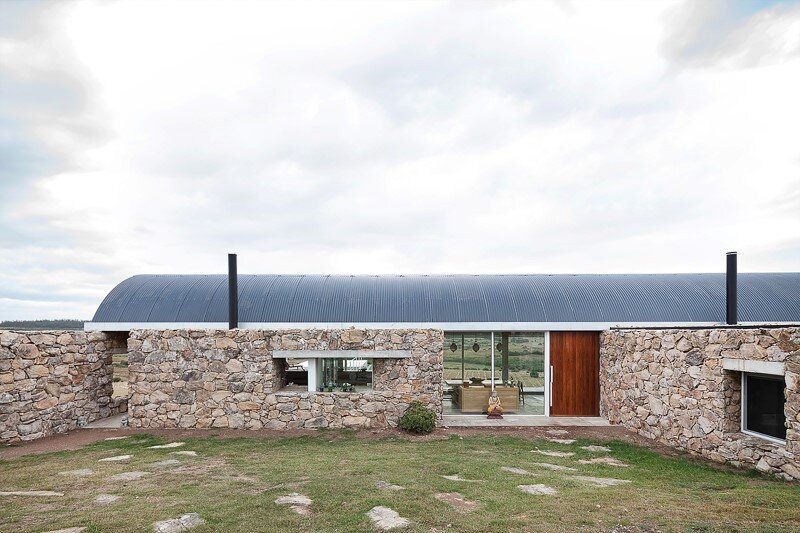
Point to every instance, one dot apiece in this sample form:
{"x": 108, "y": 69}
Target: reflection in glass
{"x": 338, "y": 373}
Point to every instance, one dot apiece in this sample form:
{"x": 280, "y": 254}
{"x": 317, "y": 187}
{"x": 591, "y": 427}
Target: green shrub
{"x": 417, "y": 419}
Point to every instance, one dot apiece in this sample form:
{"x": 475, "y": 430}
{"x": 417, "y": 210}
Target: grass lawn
{"x": 233, "y": 484}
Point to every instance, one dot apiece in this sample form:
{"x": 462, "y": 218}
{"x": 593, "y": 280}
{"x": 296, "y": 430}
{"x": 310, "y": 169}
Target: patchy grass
{"x": 233, "y": 484}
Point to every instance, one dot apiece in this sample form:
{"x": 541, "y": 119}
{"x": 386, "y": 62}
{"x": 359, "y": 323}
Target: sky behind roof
{"x": 384, "y": 138}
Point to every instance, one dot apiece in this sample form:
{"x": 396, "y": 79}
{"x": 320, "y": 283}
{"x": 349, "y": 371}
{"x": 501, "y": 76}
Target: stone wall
{"x": 228, "y": 379}
{"x": 54, "y": 381}
{"x": 670, "y": 385}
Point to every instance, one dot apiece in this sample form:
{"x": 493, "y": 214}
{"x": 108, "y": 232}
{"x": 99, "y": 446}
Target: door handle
{"x": 551, "y": 386}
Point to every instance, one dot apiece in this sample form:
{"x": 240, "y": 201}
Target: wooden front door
{"x": 575, "y": 362}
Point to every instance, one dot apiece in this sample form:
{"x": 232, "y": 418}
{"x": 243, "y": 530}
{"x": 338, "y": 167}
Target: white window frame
{"x": 743, "y": 413}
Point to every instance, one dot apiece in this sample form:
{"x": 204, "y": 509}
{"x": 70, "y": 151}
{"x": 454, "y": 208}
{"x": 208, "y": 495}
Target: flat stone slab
{"x": 117, "y": 438}
{"x": 187, "y": 453}
{"x": 555, "y": 468}
{"x": 106, "y": 498}
{"x": 176, "y": 525}
{"x": 387, "y": 486}
{"x": 610, "y": 461}
{"x": 457, "y": 501}
{"x": 456, "y": 477}
{"x": 166, "y": 463}
{"x": 299, "y": 503}
{"x": 129, "y": 476}
{"x": 558, "y": 432}
{"x": 538, "y": 490}
{"x": 595, "y": 448}
{"x": 554, "y": 454}
{"x": 82, "y": 472}
{"x": 115, "y": 459}
{"x": 68, "y": 530}
{"x": 42, "y": 493}
{"x": 167, "y": 446}
{"x": 385, "y": 519}
{"x": 515, "y": 470}
{"x": 562, "y": 441}
{"x": 600, "y": 481}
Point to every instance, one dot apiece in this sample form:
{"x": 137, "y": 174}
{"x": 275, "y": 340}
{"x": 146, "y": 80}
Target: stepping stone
{"x": 106, "y": 498}
{"x": 299, "y": 503}
{"x": 115, "y": 459}
{"x": 610, "y": 461}
{"x": 387, "y": 486}
{"x": 187, "y": 453}
{"x": 594, "y": 448}
{"x": 456, "y": 477}
{"x": 30, "y": 493}
{"x": 515, "y": 470}
{"x": 384, "y": 518}
{"x": 165, "y": 463}
{"x": 563, "y": 441}
{"x": 176, "y": 525}
{"x": 83, "y": 472}
{"x": 167, "y": 446}
{"x": 117, "y": 438}
{"x": 539, "y": 490}
{"x": 68, "y": 530}
{"x": 556, "y": 468}
{"x": 554, "y": 454}
{"x": 558, "y": 432}
{"x": 129, "y": 476}
{"x": 457, "y": 500}
{"x": 600, "y": 481}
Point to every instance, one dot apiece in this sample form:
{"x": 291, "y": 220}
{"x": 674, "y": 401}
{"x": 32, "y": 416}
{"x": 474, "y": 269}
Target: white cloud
{"x": 397, "y": 137}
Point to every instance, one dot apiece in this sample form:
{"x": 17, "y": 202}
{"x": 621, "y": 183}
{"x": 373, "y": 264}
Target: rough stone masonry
{"x": 670, "y": 385}
{"x": 54, "y": 381}
{"x": 229, "y": 379}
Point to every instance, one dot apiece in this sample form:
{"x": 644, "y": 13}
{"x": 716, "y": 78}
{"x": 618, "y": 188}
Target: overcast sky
{"x": 404, "y": 137}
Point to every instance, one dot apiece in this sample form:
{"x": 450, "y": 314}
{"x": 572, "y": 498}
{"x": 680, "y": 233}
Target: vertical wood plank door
{"x": 575, "y": 361}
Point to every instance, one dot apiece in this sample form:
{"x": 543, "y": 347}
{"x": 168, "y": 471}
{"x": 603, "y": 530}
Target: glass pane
{"x": 765, "y": 406}
{"x": 337, "y": 374}
{"x": 478, "y": 358}
{"x": 453, "y": 371}
{"x": 526, "y": 369}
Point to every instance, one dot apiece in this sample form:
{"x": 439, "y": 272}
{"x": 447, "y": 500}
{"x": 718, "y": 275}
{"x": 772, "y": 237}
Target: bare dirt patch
{"x": 457, "y": 500}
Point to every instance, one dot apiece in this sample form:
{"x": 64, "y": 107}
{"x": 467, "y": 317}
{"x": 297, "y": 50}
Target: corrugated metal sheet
{"x": 618, "y": 298}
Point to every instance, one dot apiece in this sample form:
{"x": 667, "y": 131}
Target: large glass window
{"x": 764, "y": 403}
{"x": 344, "y": 374}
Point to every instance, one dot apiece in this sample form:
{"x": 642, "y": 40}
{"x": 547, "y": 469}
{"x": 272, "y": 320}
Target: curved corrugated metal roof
{"x": 596, "y": 298}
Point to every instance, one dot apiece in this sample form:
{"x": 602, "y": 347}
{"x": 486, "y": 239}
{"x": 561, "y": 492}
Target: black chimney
{"x": 233, "y": 293}
{"x": 730, "y": 289}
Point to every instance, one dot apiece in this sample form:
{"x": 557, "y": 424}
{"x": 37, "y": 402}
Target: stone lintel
{"x": 341, "y": 354}
{"x": 757, "y": 367}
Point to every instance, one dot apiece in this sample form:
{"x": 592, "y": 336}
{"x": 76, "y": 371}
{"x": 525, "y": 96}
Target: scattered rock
{"x": 538, "y": 490}
{"x": 117, "y": 438}
{"x": 176, "y": 525}
{"x": 187, "y": 453}
{"x": 30, "y": 493}
{"x": 553, "y": 454}
{"x": 457, "y": 501}
{"x": 603, "y": 461}
{"x": 299, "y": 503}
{"x": 387, "y": 486}
{"x": 384, "y": 518}
{"x": 166, "y": 446}
{"x": 129, "y": 476}
{"x": 456, "y": 477}
{"x": 83, "y": 472}
{"x": 106, "y": 498}
{"x": 165, "y": 463}
{"x": 515, "y": 470}
{"x": 115, "y": 459}
{"x": 563, "y": 441}
{"x": 556, "y": 468}
{"x": 558, "y": 432}
{"x": 600, "y": 481}
{"x": 594, "y": 448}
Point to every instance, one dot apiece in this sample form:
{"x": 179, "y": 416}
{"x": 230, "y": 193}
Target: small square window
{"x": 344, "y": 374}
{"x": 763, "y": 405}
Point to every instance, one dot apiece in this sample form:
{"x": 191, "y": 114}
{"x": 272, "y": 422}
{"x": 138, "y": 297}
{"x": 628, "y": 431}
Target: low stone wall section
{"x": 670, "y": 385}
{"x": 54, "y": 381}
{"x": 229, "y": 379}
